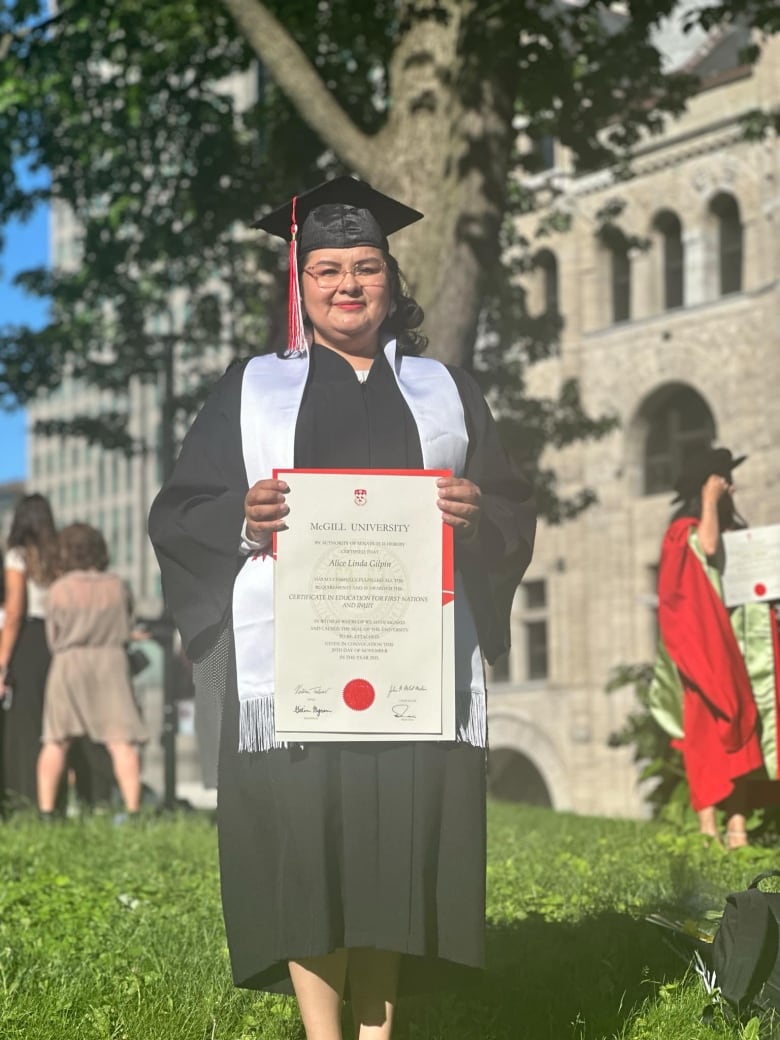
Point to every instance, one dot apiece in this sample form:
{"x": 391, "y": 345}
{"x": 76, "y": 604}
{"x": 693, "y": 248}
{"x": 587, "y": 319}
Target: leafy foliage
{"x": 126, "y": 106}
{"x": 662, "y": 765}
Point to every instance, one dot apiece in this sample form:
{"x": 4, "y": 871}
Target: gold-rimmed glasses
{"x": 365, "y": 272}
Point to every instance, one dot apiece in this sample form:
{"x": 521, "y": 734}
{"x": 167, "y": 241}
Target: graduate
{"x": 717, "y": 673}
{"x": 350, "y": 869}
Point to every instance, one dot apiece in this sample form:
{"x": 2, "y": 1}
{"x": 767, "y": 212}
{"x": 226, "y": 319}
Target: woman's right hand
{"x": 265, "y": 508}
{"x": 715, "y": 487}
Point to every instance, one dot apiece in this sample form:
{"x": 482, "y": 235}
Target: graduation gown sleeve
{"x": 493, "y": 564}
{"x": 196, "y": 519}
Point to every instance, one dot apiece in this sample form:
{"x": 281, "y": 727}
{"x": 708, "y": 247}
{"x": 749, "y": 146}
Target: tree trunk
{"x": 445, "y": 148}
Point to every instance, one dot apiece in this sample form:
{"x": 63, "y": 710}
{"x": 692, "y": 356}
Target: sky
{"x": 26, "y": 245}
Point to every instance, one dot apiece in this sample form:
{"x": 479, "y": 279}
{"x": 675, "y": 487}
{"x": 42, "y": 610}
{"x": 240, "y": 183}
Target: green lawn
{"x": 116, "y": 934}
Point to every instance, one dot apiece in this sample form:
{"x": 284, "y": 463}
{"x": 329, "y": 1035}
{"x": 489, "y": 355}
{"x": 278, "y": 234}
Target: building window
{"x": 533, "y": 596}
{"x": 546, "y": 262}
{"x": 726, "y": 211}
{"x": 619, "y": 273}
{"x": 679, "y": 423}
{"x": 542, "y": 155}
{"x": 668, "y": 225}
{"x": 536, "y": 649}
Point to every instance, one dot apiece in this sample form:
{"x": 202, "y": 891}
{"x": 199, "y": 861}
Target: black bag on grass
{"x": 746, "y": 948}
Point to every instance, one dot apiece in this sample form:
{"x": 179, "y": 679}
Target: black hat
{"x": 704, "y": 464}
{"x": 338, "y": 214}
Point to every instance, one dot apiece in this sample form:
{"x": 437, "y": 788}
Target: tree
{"x": 458, "y": 74}
{"x": 125, "y": 103}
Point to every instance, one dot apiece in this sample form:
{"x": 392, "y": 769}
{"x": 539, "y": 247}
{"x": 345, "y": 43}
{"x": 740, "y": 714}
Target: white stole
{"x": 271, "y": 395}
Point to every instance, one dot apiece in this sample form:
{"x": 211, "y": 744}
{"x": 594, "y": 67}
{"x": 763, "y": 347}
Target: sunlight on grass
{"x": 116, "y": 934}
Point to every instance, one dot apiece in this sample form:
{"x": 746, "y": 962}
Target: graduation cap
{"x": 704, "y": 464}
{"x": 337, "y": 214}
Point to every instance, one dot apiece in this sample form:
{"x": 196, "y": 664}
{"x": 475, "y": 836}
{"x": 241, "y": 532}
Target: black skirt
{"x": 352, "y": 845}
{"x": 22, "y": 722}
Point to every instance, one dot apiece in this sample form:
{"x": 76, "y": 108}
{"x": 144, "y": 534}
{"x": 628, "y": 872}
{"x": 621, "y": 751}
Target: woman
{"x": 707, "y": 661}
{"x": 30, "y": 567}
{"x": 359, "y": 866}
{"x": 89, "y": 691}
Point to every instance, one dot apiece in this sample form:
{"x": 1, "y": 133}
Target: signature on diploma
{"x": 314, "y": 691}
{"x": 311, "y": 711}
{"x": 404, "y": 710}
{"x": 406, "y": 688}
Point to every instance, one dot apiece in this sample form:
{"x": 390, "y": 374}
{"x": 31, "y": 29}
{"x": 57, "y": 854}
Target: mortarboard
{"x": 337, "y": 214}
{"x": 702, "y": 465}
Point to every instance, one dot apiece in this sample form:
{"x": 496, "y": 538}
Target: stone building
{"x": 670, "y": 320}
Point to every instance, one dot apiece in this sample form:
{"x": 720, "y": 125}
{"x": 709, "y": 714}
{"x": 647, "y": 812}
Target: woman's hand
{"x": 714, "y": 488}
{"x": 265, "y": 509}
{"x": 460, "y": 502}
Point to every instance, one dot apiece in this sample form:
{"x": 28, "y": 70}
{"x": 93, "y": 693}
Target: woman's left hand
{"x": 459, "y": 501}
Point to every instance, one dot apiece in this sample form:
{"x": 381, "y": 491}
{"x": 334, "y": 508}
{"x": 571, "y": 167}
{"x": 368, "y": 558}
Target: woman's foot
{"x": 736, "y": 839}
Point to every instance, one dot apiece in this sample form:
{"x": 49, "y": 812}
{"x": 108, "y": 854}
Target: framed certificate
{"x": 364, "y": 608}
{"x": 752, "y": 569}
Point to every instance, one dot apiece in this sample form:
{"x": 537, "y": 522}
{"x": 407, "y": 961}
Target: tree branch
{"x": 292, "y": 71}
{"x": 20, "y": 34}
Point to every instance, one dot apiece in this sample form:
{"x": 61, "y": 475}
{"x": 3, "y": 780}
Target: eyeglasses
{"x": 365, "y": 272}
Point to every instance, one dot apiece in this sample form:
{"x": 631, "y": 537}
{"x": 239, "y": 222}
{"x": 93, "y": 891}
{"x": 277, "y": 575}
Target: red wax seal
{"x": 359, "y": 694}
{"x": 759, "y": 588}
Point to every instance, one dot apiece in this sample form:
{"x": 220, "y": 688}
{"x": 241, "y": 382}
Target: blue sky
{"x": 26, "y": 245}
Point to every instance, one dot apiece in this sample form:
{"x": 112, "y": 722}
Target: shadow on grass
{"x": 551, "y": 981}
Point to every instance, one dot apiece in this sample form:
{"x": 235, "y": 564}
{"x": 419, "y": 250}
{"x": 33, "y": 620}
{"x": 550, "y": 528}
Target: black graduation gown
{"x": 374, "y": 845}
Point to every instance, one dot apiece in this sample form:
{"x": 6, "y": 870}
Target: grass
{"x": 116, "y": 934}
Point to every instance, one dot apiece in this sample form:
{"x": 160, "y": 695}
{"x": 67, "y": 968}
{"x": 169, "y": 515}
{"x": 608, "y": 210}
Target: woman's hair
{"x": 728, "y": 517}
{"x": 33, "y": 532}
{"x": 82, "y": 548}
{"x": 405, "y": 315}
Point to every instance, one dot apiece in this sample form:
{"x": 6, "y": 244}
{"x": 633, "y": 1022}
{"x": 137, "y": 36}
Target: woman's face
{"x": 348, "y": 309}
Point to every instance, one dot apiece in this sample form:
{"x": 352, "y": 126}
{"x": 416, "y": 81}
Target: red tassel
{"x": 296, "y": 332}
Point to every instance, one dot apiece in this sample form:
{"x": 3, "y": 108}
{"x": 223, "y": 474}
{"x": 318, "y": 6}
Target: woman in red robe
{"x": 720, "y": 743}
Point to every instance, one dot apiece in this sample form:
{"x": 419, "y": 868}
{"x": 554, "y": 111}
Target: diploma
{"x": 752, "y": 569}
{"x": 363, "y": 608}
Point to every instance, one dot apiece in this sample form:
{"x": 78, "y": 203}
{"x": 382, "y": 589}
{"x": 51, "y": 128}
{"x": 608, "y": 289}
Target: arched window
{"x": 678, "y": 423}
{"x": 547, "y": 264}
{"x": 725, "y": 209}
{"x": 617, "y": 246}
{"x": 667, "y": 224}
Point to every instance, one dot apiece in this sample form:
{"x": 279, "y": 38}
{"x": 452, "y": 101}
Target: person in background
{"x": 717, "y": 670}
{"x": 356, "y": 867}
{"x": 30, "y": 567}
{"x": 89, "y": 623}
